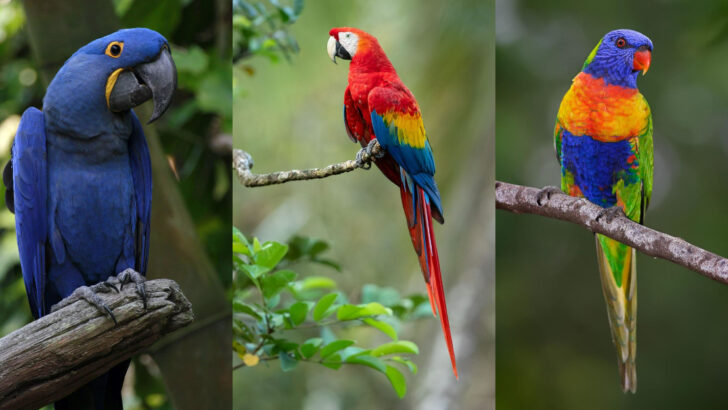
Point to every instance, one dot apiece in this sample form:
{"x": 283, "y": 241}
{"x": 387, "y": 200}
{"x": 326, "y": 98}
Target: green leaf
{"x": 283, "y": 345}
{"x": 397, "y": 380}
{"x": 297, "y": 6}
{"x": 255, "y": 271}
{"x": 273, "y": 301}
{"x": 214, "y": 93}
{"x": 369, "y": 361}
{"x": 240, "y": 244}
{"x": 351, "y": 312}
{"x": 334, "y": 347}
{"x": 384, "y": 327}
{"x": 242, "y": 307}
{"x": 298, "y": 312}
{"x": 409, "y": 363}
{"x": 310, "y": 347}
{"x": 316, "y": 282}
{"x": 240, "y": 248}
{"x": 288, "y": 363}
{"x": 270, "y": 254}
{"x": 385, "y": 295}
{"x": 239, "y": 349}
{"x": 332, "y": 362}
{"x": 192, "y": 60}
{"x": 401, "y": 346}
{"x": 321, "y": 310}
{"x": 274, "y": 283}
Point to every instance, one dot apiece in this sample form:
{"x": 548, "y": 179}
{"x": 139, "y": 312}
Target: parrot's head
{"x": 360, "y": 47}
{"x": 619, "y": 57}
{"x": 113, "y": 74}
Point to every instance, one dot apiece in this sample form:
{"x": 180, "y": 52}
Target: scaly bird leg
{"x": 130, "y": 275}
{"x": 368, "y": 151}
{"x": 89, "y": 294}
{"x": 544, "y": 195}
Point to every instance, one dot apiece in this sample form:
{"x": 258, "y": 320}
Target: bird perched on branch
{"x": 80, "y": 181}
{"x": 377, "y": 105}
{"x": 603, "y": 140}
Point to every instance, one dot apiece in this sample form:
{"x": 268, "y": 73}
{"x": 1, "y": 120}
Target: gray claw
{"x": 544, "y": 195}
{"x": 130, "y": 275}
{"x": 87, "y": 293}
{"x": 610, "y": 213}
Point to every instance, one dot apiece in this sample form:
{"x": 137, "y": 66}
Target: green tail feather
{"x": 618, "y": 273}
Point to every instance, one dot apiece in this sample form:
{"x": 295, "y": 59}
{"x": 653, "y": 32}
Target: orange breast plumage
{"x": 602, "y": 111}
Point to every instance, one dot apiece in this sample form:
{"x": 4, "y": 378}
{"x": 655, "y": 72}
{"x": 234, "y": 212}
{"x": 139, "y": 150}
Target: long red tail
{"x": 419, "y": 221}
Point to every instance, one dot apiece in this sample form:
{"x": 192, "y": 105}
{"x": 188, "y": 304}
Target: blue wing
{"x": 418, "y": 163}
{"x": 28, "y": 166}
{"x": 141, "y": 171}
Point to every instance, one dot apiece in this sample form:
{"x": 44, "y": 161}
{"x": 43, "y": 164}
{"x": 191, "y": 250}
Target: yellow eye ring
{"x": 114, "y": 49}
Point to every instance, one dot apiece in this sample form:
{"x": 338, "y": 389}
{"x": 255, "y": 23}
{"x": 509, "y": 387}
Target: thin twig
{"x": 557, "y": 205}
{"x": 243, "y": 162}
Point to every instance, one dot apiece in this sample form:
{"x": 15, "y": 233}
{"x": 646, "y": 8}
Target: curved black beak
{"x": 156, "y": 79}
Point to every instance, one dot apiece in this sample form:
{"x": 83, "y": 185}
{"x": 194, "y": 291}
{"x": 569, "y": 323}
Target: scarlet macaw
{"x": 378, "y": 105}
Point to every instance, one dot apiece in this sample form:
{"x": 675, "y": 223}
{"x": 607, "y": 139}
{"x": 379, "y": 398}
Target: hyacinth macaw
{"x": 377, "y": 105}
{"x": 80, "y": 181}
{"x": 603, "y": 140}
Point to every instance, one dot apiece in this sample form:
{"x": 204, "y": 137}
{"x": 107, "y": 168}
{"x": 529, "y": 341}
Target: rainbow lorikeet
{"x": 377, "y": 105}
{"x": 80, "y": 181}
{"x": 603, "y": 140}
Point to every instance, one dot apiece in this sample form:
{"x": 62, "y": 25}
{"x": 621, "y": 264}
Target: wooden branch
{"x": 557, "y": 205}
{"x": 51, "y": 357}
{"x": 243, "y": 162}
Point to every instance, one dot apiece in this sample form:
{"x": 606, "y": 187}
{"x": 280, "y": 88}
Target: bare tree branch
{"x": 243, "y": 162}
{"x": 58, "y": 353}
{"x": 552, "y": 203}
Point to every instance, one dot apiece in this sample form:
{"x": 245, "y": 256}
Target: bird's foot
{"x": 360, "y": 160}
{"x": 130, "y": 275}
{"x": 368, "y": 150}
{"x": 544, "y": 195}
{"x": 90, "y": 295}
{"x": 610, "y": 213}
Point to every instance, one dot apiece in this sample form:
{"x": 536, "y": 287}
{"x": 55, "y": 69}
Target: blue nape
{"x": 597, "y": 166}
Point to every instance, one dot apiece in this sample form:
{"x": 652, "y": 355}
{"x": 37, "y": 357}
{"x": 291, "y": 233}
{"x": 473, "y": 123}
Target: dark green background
{"x": 553, "y": 347}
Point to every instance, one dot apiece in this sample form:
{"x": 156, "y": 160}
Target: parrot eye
{"x": 621, "y": 42}
{"x": 114, "y": 49}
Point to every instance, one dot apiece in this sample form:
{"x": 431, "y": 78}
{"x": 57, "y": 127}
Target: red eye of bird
{"x": 621, "y": 42}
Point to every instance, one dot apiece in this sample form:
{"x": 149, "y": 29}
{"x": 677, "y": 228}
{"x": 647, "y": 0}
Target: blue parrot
{"x": 80, "y": 181}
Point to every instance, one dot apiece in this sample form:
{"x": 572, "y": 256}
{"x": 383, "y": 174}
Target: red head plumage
{"x": 362, "y": 48}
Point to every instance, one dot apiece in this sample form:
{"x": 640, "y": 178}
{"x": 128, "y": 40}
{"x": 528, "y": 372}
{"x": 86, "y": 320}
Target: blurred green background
{"x": 192, "y": 183}
{"x": 554, "y": 349}
{"x": 288, "y": 115}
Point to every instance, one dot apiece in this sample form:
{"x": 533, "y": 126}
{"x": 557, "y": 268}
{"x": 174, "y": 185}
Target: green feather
{"x": 591, "y": 55}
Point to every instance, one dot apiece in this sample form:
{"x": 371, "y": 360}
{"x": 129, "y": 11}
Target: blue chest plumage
{"x": 91, "y": 204}
{"x": 597, "y": 166}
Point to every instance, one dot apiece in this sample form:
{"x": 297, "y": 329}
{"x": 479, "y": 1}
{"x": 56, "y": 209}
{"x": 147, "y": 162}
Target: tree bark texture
{"x": 60, "y": 352}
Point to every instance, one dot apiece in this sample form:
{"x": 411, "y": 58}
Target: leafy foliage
{"x": 279, "y": 315}
{"x": 261, "y": 28}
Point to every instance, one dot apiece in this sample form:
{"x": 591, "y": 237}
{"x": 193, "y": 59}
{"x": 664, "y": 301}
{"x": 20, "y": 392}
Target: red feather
{"x": 370, "y": 69}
